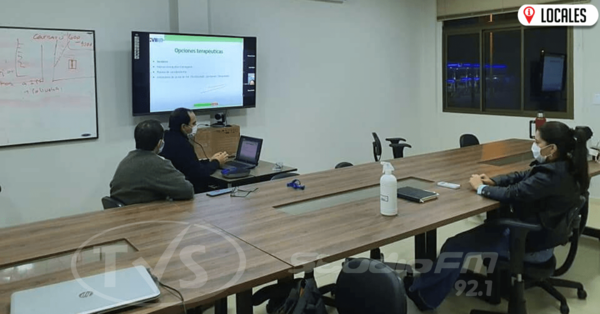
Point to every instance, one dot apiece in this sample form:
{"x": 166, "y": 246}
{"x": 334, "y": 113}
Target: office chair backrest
{"x": 284, "y": 175}
{"x": 574, "y": 218}
{"x": 343, "y": 164}
{"x": 376, "y": 147}
{"x": 468, "y": 140}
{"x": 573, "y": 228}
{"x": 369, "y": 286}
{"x": 109, "y": 202}
{"x": 568, "y": 228}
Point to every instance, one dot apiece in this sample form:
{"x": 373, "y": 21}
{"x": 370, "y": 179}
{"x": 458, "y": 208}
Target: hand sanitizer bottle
{"x": 389, "y": 191}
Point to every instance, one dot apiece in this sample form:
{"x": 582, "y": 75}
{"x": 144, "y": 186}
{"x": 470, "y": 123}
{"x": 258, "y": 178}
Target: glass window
{"x": 462, "y": 71}
{"x": 502, "y": 69}
{"x": 495, "y": 65}
{"x": 544, "y": 50}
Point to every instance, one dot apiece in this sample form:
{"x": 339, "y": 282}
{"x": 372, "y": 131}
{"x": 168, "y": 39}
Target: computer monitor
{"x": 553, "y": 72}
{"x": 198, "y": 72}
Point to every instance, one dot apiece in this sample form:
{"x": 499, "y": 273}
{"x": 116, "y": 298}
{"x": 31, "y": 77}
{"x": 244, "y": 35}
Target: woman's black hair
{"x": 571, "y": 145}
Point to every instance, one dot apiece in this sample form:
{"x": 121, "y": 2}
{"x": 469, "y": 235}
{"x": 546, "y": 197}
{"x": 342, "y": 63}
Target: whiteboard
{"x": 47, "y": 86}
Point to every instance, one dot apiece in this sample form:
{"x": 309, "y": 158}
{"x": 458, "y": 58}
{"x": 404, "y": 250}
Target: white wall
{"x": 46, "y": 181}
{"x": 329, "y": 74}
{"x": 441, "y": 130}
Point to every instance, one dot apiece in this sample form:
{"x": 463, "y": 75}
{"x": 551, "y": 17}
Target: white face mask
{"x": 194, "y": 131}
{"x": 537, "y": 153}
{"x": 162, "y": 145}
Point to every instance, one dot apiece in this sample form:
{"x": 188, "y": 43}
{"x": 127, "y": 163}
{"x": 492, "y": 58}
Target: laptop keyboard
{"x": 236, "y": 164}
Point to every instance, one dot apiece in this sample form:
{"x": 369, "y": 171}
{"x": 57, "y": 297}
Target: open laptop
{"x": 96, "y": 294}
{"x": 248, "y": 153}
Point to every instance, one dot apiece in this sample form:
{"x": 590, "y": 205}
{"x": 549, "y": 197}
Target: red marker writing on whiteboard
{"x": 529, "y": 12}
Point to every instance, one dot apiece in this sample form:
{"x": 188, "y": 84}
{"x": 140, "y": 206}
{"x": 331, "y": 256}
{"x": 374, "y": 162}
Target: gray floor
{"x": 586, "y": 270}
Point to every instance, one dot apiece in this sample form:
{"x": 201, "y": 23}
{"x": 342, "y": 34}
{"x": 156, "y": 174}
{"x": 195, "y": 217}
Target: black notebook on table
{"x": 416, "y": 195}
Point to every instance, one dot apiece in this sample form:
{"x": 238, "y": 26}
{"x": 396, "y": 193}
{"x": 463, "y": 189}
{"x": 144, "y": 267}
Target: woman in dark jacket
{"x": 541, "y": 195}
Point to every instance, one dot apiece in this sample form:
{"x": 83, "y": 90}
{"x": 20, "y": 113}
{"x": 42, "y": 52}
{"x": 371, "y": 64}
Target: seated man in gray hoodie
{"x": 143, "y": 176}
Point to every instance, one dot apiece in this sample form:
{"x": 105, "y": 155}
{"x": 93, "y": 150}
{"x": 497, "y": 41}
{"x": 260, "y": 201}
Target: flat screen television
{"x": 199, "y": 72}
{"x": 553, "y": 72}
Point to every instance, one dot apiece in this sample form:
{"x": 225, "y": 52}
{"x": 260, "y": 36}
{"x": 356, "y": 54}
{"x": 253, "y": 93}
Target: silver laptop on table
{"x": 96, "y": 294}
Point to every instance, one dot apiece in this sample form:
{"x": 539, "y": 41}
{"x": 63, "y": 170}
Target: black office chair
{"x": 468, "y": 140}
{"x": 377, "y": 150}
{"x": 284, "y": 175}
{"x": 527, "y": 275}
{"x": 375, "y": 289}
{"x": 397, "y": 147}
{"x": 343, "y": 164}
{"x": 110, "y": 202}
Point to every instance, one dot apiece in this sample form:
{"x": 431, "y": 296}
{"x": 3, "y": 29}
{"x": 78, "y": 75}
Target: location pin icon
{"x": 529, "y": 12}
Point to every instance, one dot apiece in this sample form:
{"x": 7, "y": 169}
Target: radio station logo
{"x": 558, "y": 15}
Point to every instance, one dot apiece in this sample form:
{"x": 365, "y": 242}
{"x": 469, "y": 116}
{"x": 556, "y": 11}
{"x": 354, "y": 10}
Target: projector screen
{"x": 192, "y": 71}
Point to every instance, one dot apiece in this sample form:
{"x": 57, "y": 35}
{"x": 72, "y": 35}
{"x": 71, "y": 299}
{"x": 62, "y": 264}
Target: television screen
{"x": 199, "y": 72}
{"x": 553, "y": 72}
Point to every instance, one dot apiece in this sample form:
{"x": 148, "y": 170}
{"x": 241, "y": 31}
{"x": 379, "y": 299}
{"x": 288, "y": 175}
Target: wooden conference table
{"x": 139, "y": 235}
{"x": 278, "y": 229}
{"x": 342, "y": 229}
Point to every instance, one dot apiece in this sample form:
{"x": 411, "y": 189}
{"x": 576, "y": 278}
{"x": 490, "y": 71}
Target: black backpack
{"x": 303, "y": 297}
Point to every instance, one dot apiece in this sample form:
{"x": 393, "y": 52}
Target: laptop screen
{"x": 249, "y": 150}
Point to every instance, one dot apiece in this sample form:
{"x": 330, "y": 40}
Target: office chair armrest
{"x": 514, "y": 224}
{"x": 395, "y": 140}
{"x": 402, "y": 145}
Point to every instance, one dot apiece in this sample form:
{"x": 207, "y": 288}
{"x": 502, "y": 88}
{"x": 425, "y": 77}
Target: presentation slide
{"x": 196, "y": 72}
{"x": 248, "y": 151}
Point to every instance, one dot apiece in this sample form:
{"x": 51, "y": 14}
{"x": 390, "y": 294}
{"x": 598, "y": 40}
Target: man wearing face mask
{"x": 143, "y": 176}
{"x": 180, "y": 150}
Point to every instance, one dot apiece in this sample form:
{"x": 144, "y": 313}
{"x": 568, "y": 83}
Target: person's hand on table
{"x": 486, "y": 180}
{"x": 476, "y": 181}
{"x": 220, "y": 157}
